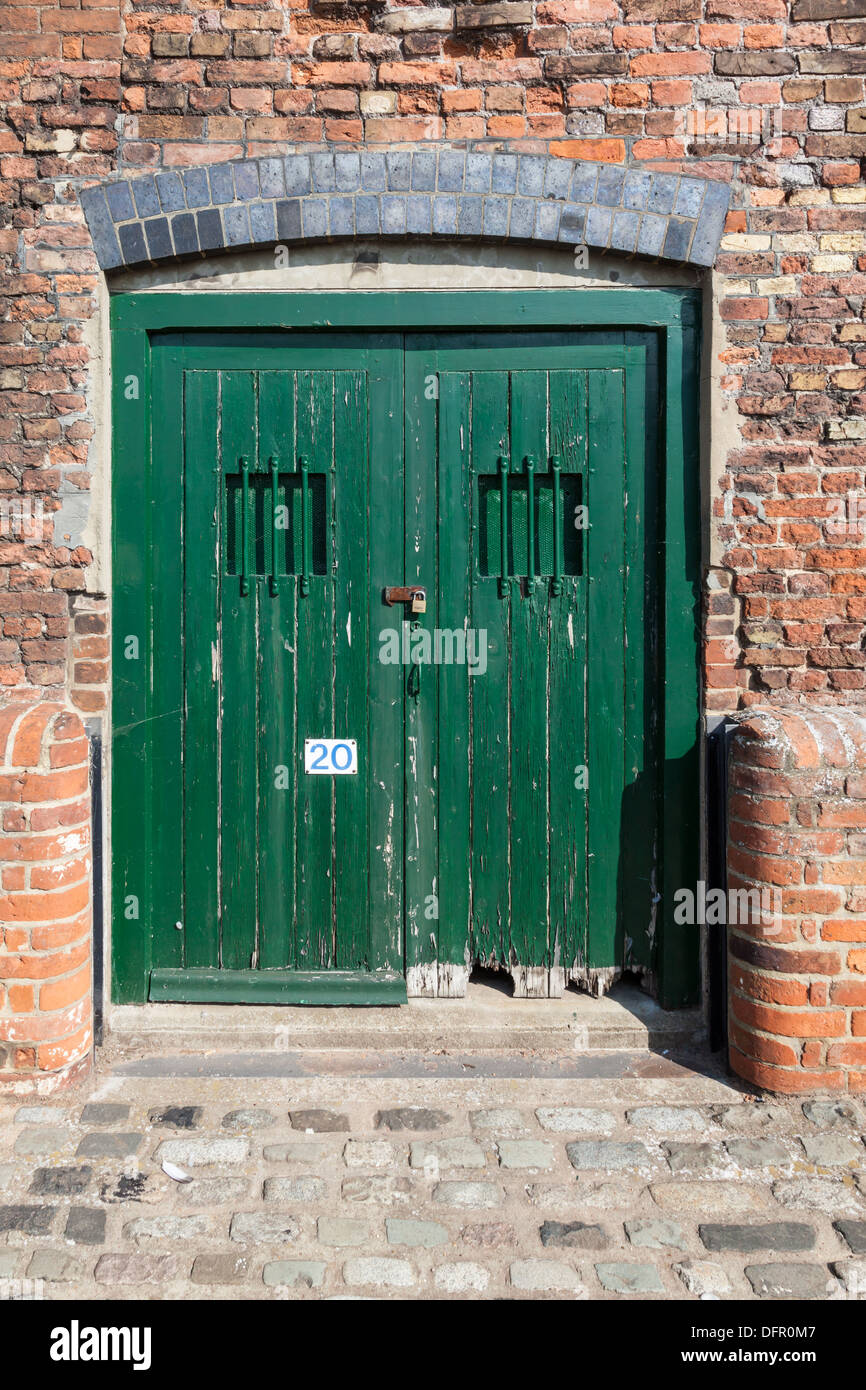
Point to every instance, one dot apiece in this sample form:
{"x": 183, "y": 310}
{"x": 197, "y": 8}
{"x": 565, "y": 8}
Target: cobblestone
{"x": 573, "y": 1234}
{"x": 415, "y": 1117}
{"x": 32, "y": 1221}
{"x": 698, "y": 1158}
{"x": 758, "y": 1153}
{"x": 60, "y": 1182}
{"x": 525, "y": 1153}
{"x": 320, "y": 1121}
{"x": 854, "y": 1235}
{"x": 301, "y": 1189}
{"x": 106, "y": 1145}
{"x": 461, "y": 1277}
{"x": 309, "y": 1274}
{"x": 219, "y": 1269}
{"x": 340, "y": 1231}
{"x": 436, "y": 1188}
{"x": 468, "y": 1194}
{"x": 179, "y": 1228}
{"x": 502, "y": 1121}
{"x": 542, "y": 1276}
{"x": 789, "y": 1281}
{"x": 104, "y": 1113}
{"x": 831, "y": 1195}
{"x": 138, "y": 1269}
{"x": 426, "y": 1234}
{"x": 248, "y": 1119}
{"x": 852, "y": 1276}
{"x": 667, "y": 1119}
{"x": 85, "y": 1225}
{"x": 832, "y": 1150}
{"x": 217, "y": 1192}
{"x": 264, "y": 1228}
{"x": 571, "y": 1119}
{"x": 629, "y": 1278}
{"x": 199, "y": 1153}
{"x": 176, "y": 1117}
{"x": 656, "y": 1235}
{"x": 370, "y": 1153}
{"x": 609, "y": 1155}
{"x": 703, "y": 1278}
{"x": 380, "y": 1273}
{"x": 41, "y": 1115}
{"x": 770, "y": 1235}
{"x": 38, "y": 1142}
{"x": 53, "y": 1266}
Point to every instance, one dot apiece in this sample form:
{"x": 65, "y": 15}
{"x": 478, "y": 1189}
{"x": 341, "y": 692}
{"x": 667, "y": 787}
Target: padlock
{"x": 419, "y": 601}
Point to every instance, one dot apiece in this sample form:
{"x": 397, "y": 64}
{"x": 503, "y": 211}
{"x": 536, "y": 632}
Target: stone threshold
{"x": 488, "y": 1019}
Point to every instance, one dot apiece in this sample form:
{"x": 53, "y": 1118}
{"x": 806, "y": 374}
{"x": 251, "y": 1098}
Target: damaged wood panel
{"x": 567, "y": 674}
{"x": 491, "y": 712}
{"x": 278, "y": 765}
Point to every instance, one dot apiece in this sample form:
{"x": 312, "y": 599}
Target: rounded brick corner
{"x": 46, "y": 1016}
{"x": 797, "y": 846}
{"x": 436, "y": 192}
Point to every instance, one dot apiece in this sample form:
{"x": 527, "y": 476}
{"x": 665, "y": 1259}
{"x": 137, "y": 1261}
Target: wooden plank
{"x": 491, "y": 718}
{"x": 605, "y": 684}
{"x": 567, "y": 781}
{"x": 238, "y": 702}
{"x": 314, "y": 849}
{"x": 509, "y": 309}
{"x": 348, "y": 548}
{"x": 131, "y": 800}
{"x": 641, "y": 848}
{"x": 278, "y": 761}
{"x": 456, "y": 531}
{"x": 386, "y": 728}
{"x": 323, "y": 988}
{"x": 202, "y": 659}
{"x": 530, "y": 754}
{"x": 422, "y": 883}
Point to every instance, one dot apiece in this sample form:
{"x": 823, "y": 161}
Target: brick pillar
{"x": 46, "y": 1023}
{"x": 797, "y": 824}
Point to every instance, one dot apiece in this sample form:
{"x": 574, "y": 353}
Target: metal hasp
{"x": 305, "y": 526}
{"x": 413, "y": 594}
{"x": 556, "y": 470}
{"x": 245, "y": 530}
{"x": 275, "y": 497}
{"x": 530, "y": 523}
{"x": 504, "y": 581}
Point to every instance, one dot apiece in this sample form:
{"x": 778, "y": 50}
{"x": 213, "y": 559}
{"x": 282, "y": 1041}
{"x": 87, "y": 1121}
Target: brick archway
{"x": 437, "y": 193}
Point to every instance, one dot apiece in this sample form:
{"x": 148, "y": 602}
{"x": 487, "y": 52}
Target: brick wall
{"x": 127, "y": 86}
{"x": 797, "y": 826}
{"x": 45, "y": 900}
{"x": 93, "y": 88}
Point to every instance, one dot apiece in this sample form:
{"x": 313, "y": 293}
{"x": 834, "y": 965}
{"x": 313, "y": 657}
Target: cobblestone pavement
{"x": 665, "y": 1183}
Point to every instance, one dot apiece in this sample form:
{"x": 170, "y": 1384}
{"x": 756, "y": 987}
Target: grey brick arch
{"x": 441, "y": 193}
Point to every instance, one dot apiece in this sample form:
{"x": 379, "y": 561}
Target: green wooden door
{"x": 287, "y": 884}
{"x": 532, "y": 805}
{"x": 525, "y": 794}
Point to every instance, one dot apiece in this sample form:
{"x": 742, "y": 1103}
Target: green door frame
{"x": 135, "y": 318}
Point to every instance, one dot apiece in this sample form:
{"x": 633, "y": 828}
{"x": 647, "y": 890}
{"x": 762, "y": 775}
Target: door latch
{"x": 413, "y": 594}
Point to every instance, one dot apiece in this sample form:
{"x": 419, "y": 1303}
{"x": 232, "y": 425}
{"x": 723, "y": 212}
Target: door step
{"x": 488, "y": 1019}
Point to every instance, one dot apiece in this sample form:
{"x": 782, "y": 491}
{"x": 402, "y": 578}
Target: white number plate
{"x": 331, "y": 756}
